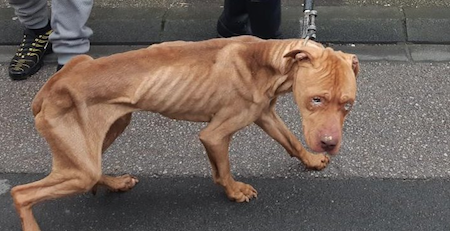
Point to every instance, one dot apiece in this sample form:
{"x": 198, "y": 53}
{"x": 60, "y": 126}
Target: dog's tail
{"x": 36, "y": 105}
{"x": 44, "y": 92}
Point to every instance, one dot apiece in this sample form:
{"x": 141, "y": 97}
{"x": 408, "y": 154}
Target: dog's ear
{"x": 297, "y": 55}
{"x": 355, "y": 65}
{"x": 292, "y": 57}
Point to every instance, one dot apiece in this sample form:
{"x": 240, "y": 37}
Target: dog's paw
{"x": 123, "y": 183}
{"x": 241, "y": 192}
{"x": 128, "y": 182}
{"x": 317, "y": 161}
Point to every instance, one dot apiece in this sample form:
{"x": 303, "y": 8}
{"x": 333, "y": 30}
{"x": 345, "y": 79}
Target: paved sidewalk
{"x": 399, "y": 128}
{"x": 144, "y": 22}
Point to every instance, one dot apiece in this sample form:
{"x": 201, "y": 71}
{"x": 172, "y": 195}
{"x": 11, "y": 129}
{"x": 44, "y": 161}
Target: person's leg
{"x": 70, "y": 35}
{"x": 265, "y": 18}
{"x": 33, "y": 14}
{"x": 234, "y": 19}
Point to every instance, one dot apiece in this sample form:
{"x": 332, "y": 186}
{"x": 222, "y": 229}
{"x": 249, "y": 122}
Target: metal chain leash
{"x": 308, "y": 29}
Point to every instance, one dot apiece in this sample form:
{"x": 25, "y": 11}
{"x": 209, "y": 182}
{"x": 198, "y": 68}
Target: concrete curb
{"x": 336, "y": 24}
{"x": 365, "y": 52}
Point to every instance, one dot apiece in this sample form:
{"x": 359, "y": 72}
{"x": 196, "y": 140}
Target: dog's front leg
{"x": 216, "y": 139}
{"x": 272, "y": 124}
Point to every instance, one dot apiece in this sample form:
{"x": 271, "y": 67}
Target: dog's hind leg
{"x": 115, "y": 130}
{"x": 76, "y": 165}
{"x": 57, "y": 184}
{"x": 53, "y": 186}
{"x": 121, "y": 183}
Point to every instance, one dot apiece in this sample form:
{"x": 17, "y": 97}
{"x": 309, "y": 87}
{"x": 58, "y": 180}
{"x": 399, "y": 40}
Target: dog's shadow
{"x": 181, "y": 203}
{"x": 195, "y": 203}
{"x": 154, "y": 204}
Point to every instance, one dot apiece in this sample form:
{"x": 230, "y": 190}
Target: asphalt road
{"x": 186, "y": 203}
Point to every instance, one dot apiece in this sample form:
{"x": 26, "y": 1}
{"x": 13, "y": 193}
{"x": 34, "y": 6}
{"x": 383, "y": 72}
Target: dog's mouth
{"x": 332, "y": 152}
{"x": 323, "y": 144}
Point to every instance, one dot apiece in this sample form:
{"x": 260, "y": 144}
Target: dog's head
{"x": 324, "y": 89}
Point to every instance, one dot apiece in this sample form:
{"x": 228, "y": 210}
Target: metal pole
{"x": 308, "y": 5}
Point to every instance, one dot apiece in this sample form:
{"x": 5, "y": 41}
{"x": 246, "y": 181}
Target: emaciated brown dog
{"x": 229, "y": 83}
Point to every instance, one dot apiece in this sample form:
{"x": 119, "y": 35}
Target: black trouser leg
{"x": 265, "y": 18}
{"x": 234, "y": 19}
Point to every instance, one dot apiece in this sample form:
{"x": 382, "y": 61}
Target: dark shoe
{"x": 234, "y": 19}
{"x": 59, "y": 67}
{"x": 30, "y": 55}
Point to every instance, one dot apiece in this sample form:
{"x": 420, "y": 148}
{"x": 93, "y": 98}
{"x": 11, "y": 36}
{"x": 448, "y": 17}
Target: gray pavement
{"x": 399, "y": 128}
{"x": 392, "y": 172}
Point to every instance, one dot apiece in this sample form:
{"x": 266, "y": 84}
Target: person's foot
{"x": 240, "y": 27}
{"x": 30, "y": 55}
{"x": 234, "y": 19}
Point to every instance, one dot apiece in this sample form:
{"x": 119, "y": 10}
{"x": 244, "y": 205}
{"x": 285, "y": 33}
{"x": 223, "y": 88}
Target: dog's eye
{"x": 348, "y": 106}
{"x": 316, "y": 101}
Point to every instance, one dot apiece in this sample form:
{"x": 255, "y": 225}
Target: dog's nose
{"x": 328, "y": 142}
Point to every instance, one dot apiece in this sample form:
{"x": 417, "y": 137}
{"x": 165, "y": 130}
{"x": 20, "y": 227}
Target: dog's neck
{"x": 283, "y": 79}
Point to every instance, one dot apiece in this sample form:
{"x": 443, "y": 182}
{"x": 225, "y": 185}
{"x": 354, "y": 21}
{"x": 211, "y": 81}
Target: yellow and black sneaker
{"x": 30, "y": 55}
